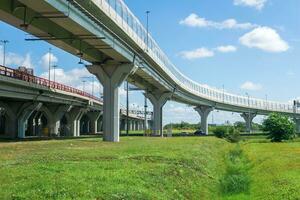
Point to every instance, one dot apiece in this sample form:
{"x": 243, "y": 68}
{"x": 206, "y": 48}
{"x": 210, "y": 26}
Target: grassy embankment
{"x": 149, "y": 168}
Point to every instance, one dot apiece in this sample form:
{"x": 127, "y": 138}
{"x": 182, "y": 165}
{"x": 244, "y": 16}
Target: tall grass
{"x": 236, "y": 179}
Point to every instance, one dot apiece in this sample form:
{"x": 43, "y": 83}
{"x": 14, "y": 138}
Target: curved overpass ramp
{"x": 108, "y": 35}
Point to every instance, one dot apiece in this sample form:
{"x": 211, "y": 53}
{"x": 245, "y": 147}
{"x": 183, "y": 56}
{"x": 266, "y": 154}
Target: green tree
{"x": 279, "y": 127}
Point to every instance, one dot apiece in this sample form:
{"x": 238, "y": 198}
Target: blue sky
{"x": 246, "y": 45}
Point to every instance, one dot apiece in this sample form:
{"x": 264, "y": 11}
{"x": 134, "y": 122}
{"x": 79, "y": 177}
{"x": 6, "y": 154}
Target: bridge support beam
{"x": 111, "y": 77}
{"x": 158, "y": 100}
{"x": 204, "y": 111}
{"x": 94, "y": 117}
{"x": 248, "y": 117}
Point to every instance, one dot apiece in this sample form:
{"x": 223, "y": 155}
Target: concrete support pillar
{"x": 297, "y": 122}
{"x": 248, "y": 117}
{"x": 111, "y": 76}
{"x": 10, "y": 120}
{"x": 75, "y": 116}
{"x": 158, "y": 100}
{"x": 23, "y": 115}
{"x": 94, "y": 117}
{"x": 57, "y": 115}
{"x": 204, "y": 111}
{"x": 130, "y": 125}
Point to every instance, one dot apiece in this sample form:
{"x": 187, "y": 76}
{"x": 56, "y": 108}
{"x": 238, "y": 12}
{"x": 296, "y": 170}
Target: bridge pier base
{"x": 74, "y": 116}
{"x": 297, "y": 122}
{"x": 204, "y": 111}
{"x": 23, "y": 116}
{"x": 111, "y": 76}
{"x": 94, "y": 117}
{"x": 248, "y": 117}
{"x": 58, "y": 114}
{"x": 158, "y": 100}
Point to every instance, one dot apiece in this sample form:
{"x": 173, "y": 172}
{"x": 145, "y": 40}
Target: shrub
{"x": 233, "y": 135}
{"x": 220, "y": 131}
{"x": 279, "y": 127}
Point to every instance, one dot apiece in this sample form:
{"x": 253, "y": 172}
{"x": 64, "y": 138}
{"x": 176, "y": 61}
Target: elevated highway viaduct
{"x": 35, "y": 107}
{"x": 106, "y": 34}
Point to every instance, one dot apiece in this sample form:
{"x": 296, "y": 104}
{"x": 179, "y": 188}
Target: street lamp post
{"x": 249, "y": 121}
{"x": 223, "y": 93}
{"x": 147, "y": 13}
{"x": 83, "y": 86}
{"x": 4, "y": 42}
{"x": 127, "y": 108}
{"x": 49, "y": 65}
{"x": 54, "y": 67}
{"x": 145, "y": 116}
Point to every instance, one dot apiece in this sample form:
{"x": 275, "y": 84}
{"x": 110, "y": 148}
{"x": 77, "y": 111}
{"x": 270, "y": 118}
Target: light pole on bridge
{"x": 249, "y": 114}
{"x": 93, "y": 82}
{"x": 49, "y": 64}
{"x": 147, "y": 13}
{"x": 54, "y": 67}
{"x": 4, "y": 42}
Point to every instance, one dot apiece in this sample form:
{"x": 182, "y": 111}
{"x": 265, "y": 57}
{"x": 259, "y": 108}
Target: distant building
{"x": 26, "y": 70}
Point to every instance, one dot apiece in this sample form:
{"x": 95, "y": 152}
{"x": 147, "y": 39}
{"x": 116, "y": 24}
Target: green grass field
{"x": 146, "y": 168}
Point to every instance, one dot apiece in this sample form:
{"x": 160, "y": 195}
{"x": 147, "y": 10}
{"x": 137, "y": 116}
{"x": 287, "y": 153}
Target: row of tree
{"x": 241, "y": 126}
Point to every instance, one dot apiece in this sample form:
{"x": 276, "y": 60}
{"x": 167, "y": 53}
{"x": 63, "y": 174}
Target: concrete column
{"x": 297, "y": 122}
{"x": 111, "y": 76}
{"x": 248, "y": 117}
{"x": 158, "y": 100}
{"x": 75, "y": 115}
{"x": 94, "y": 117}
{"x": 204, "y": 111}
{"x": 10, "y": 120}
{"x": 130, "y": 125}
{"x": 57, "y": 115}
{"x": 23, "y": 115}
{"x": 137, "y": 125}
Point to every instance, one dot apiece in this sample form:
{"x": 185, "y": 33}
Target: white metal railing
{"x": 118, "y": 11}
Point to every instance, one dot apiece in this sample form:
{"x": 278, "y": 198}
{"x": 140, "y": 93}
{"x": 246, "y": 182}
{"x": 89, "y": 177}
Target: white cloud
{"x": 264, "y": 38}
{"x": 226, "y": 49}
{"x": 16, "y": 60}
{"x": 248, "y": 85}
{"x": 193, "y": 20}
{"x": 258, "y": 4}
{"x": 197, "y": 53}
{"x": 75, "y": 78}
{"x": 44, "y": 62}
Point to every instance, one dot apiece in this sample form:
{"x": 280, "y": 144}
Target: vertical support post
{"x": 23, "y": 116}
{"x": 248, "y": 117}
{"x": 297, "y": 122}
{"x": 111, "y": 76}
{"x": 94, "y": 117}
{"x": 158, "y": 100}
{"x": 204, "y": 111}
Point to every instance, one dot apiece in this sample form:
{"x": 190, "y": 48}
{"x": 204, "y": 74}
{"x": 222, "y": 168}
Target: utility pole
{"x": 54, "y": 67}
{"x": 249, "y": 121}
{"x": 49, "y": 65}
{"x": 4, "y": 42}
{"x": 223, "y": 93}
{"x": 83, "y": 86}
{"x": 145, "y": 116}
{"x": 127, "y": 108}
{"x": 147, "y": 13}
{"x": 93, "y": 85}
